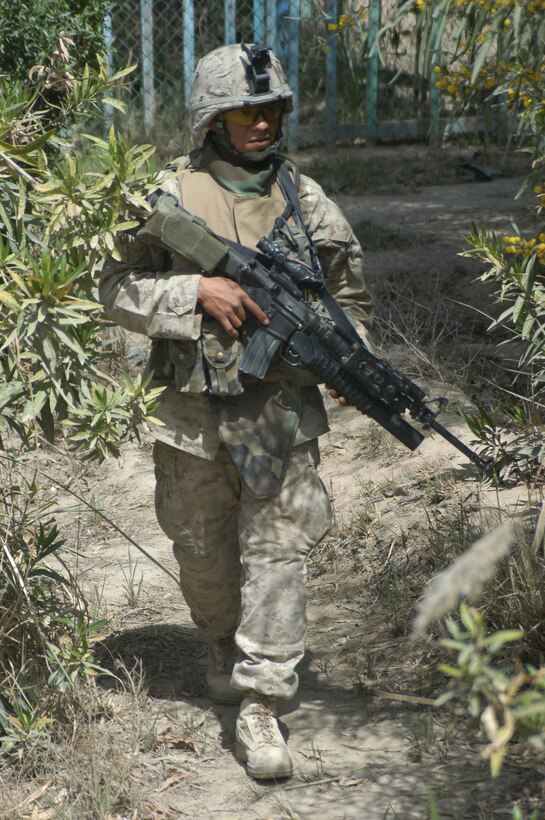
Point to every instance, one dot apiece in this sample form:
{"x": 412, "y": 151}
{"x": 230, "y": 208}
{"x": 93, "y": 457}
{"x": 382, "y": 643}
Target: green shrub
{"x": 30, "y": 29}
{"x": 60, "y": 214}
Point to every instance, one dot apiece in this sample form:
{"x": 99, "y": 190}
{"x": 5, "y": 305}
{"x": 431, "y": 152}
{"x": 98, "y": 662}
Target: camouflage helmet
{"x": 233, "y": 76}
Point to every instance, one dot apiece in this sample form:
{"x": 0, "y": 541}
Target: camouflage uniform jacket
{"x": 155, "y": 294}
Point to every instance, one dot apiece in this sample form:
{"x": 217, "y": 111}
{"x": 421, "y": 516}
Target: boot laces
{"x": 265, "y": 720}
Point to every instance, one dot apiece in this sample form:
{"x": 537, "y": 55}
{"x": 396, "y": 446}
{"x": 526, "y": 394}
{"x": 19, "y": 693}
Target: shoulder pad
{"x": 191, "y": 161}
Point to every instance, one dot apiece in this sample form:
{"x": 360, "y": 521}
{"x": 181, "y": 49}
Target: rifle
{"x": 329, "y": 347}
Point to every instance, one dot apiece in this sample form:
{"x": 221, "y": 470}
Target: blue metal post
{"x": 271, "y": 25}
{"x": 148, "y": 80}
{"x": 189, "y": 48}
{"x": 293, "y": 71}
{"x": 282, "y": 24}
{"x": 500, "y": 107}
{"x": 230, "y": 24}
{"x": 108, "y": 43}
{"x": 259, "y": 21}
{"x": 373, "y": 67}
{"x": 434, "y": 100}
{"x": 331, "y": 80}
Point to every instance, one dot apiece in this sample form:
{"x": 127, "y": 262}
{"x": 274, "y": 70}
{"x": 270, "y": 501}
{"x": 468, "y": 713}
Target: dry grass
{"x": 464, "y": 578}
{"x": 378, "y": 565}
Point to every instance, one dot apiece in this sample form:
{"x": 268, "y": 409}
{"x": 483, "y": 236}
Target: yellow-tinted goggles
{"x": 250, "y": 113}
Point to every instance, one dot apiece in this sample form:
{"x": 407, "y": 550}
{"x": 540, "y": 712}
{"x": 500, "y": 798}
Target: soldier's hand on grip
{"x": 334, "y": 395}
{"x": 227, "y": 302}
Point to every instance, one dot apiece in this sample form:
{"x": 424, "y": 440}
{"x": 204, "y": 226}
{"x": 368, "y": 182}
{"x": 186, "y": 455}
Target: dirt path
{"x": 360, "y": 750}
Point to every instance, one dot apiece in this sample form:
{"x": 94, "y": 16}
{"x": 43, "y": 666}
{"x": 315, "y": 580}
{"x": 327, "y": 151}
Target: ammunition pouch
{"x": 208, "y": 365}
{"x": 222, "y": 356}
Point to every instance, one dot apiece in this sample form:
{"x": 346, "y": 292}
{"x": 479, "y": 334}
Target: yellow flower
{"x": 332, "y": 26}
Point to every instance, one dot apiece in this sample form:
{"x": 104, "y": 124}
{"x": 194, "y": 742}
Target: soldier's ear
{"x": 213, "y": 125}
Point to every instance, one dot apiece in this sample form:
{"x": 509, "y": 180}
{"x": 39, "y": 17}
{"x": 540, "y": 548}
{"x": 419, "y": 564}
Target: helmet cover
{"x": 234, "y": 76}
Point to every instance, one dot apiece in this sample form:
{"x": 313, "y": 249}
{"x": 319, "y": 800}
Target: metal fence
{"x": 341, "y": 90}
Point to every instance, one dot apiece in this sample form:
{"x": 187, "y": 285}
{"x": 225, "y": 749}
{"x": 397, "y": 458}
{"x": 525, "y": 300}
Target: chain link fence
{"x": 341, "y": 91}
{"x": 165, "y": 39}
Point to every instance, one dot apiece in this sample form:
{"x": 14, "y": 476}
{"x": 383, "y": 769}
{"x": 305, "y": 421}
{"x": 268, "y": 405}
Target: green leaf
{"x": 497, "y": 640}
{"x": 29, "y": 147}
{"x": 97, "y": 140}
{"x": 467, "y": 618}
{"x": 123, "y": 72}
{"x": 450, "y": 671}
{"x": 33, "y": 406}
{"x": 115, "y": 103}
{"x": 49, "y": 352}
{"x": 9, "y": 300}
{"x": 70, "y": 341}
{"x": 9, "y": 393}
{"x": 444, "y": 698}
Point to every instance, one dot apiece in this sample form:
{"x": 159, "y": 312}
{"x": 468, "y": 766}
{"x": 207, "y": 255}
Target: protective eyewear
{"x": 249, "y": 114}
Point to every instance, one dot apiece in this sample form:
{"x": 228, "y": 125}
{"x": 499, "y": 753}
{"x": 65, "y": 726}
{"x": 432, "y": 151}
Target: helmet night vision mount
{"x": 256, "y": 71}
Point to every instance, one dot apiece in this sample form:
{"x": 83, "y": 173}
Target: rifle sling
{"x": 290, "y": 189}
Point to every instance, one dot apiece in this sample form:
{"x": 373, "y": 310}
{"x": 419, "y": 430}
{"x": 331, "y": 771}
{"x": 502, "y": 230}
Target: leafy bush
{"x": 492, "y": 54}
{"x": 516, "y": 266}
{"x": 494, "y": 60}
{"x": 64, "y": 200}
{"x": 60, "y": 214}
{"x": 507, "y": 700}
{"x": 29, "y": 31}
{"x": 482, "y": 55}
{"x": 46, "y": 636}
{"x": 510, "y": 441}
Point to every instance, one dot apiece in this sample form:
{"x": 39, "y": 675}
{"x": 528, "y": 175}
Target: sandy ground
{"x": 360, "y": 750}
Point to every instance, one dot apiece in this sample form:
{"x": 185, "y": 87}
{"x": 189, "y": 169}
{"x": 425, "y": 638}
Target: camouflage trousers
{"x": 242, "y": 559}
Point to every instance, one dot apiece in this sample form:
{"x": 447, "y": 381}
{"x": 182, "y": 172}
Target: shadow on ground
{"x": 356, "y": 753}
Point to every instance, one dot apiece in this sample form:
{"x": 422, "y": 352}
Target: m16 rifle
{"x": 327, "y": 346}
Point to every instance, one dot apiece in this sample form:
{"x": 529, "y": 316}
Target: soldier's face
{"x": 255, "y": 135}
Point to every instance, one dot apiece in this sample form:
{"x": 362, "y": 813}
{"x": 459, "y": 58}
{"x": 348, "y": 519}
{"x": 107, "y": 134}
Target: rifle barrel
{"x": 479, "y": 462}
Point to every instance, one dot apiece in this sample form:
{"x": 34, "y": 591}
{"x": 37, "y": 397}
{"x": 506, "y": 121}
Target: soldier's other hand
{"x": 334, "y": 395}
{"x": 226, "y": 302}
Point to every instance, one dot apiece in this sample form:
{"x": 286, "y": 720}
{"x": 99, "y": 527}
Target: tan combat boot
{"x": 222, "y": 654}
{"x": 259, "y": 741}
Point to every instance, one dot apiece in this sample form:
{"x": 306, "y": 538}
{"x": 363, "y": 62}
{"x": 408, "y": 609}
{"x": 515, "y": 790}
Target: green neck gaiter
{"x": 248, "y": 180}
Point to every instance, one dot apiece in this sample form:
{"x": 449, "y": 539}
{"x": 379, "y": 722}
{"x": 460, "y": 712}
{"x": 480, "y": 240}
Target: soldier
{"x": 235, "y": 460}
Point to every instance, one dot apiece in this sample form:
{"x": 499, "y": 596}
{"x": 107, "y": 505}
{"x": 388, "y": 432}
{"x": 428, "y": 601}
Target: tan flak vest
{"x": 211, "y": 364}
{"x": 242, "y": 219}
{"x": 257, "y": 423}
